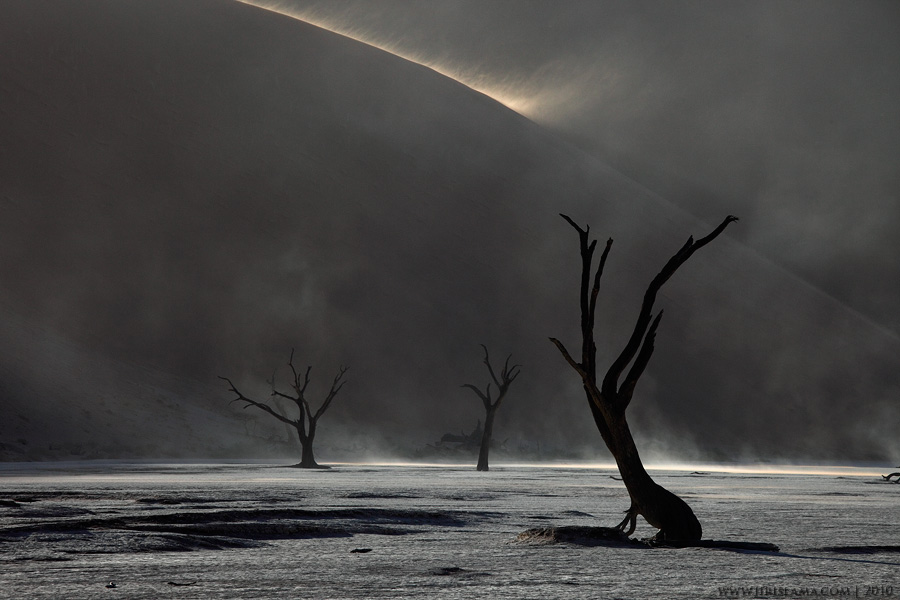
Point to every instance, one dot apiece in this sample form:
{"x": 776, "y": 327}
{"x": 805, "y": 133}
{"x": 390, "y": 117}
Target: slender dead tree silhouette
{"x": 307, "y": 421}
{"x": 609, "y": 398}
{"x": 507, "y": 376}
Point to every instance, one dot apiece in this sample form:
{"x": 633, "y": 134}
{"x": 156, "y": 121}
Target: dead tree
{"x": 507, "y": 376}
{"x": 609, "y": 398}
{"x": 307, "y": 421}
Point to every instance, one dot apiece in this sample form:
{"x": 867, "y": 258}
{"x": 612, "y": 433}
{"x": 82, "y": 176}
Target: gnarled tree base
{"x": 665, "y": 511}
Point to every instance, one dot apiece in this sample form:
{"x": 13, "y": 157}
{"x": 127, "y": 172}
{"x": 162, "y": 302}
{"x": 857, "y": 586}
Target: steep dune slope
{"x": 198, "y": 187}
{"x": 63, "y": 400}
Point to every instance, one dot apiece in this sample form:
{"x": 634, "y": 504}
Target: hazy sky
{"x": 195, "y": 188}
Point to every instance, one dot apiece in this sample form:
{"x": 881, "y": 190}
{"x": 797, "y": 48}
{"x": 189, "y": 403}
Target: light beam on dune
{"x": 505, "y": 93}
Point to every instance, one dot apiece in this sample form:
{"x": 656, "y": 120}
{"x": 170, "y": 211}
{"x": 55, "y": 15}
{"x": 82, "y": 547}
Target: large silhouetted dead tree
{"x": 507, "y": 376}
{"x": 307, "y": 421}
{"x": 609, "y": 398}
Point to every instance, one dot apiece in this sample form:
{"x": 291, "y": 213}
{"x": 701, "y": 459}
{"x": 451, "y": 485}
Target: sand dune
{"x": 198, "y": 187}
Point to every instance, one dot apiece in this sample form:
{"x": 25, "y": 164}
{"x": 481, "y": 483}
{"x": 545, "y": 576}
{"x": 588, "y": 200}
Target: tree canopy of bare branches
{"x": 307, "y": 420}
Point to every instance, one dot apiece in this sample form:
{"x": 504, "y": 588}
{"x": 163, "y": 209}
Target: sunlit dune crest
{"x": 506, "y": 94}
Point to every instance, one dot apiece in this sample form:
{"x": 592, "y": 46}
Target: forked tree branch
{"x": 485, "y": 396}
{"x": 507, "y": 376}
{"x": 487, "y": 362}
{"x": 611, "y": 380}
{"x": 596, "y": 289}
{"x": 640, "y": 345}
{"x": 261, "y": 405}
{"x": 587, "y": 299}
{"x": 336, "y": 386}
{"x": 626, "y": 390}
{"x": 575, "y": 365}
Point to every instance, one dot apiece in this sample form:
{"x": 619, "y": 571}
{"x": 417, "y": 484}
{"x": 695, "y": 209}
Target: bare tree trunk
{"x": 486, "y": 440}
{"x": 659, "y": 507}
{"x": 307, "y": 458}
{"x": 609, "y": 399}
{"x": 293, "y": 443}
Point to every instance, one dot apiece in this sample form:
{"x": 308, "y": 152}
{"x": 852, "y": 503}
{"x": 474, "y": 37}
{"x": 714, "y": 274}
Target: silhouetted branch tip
{"x": 582, "y": 232}
{"x": 562, "y": 349}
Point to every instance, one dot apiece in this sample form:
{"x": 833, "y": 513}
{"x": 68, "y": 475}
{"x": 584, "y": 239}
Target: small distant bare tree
{"x": 307, "y": 421}
{"x": 507, "y": 376}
